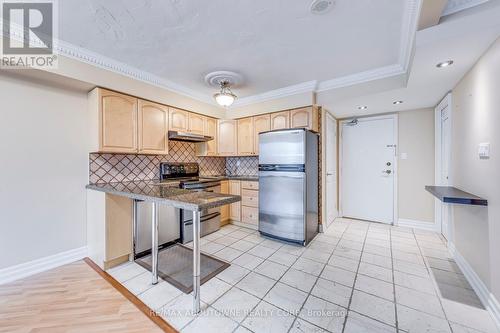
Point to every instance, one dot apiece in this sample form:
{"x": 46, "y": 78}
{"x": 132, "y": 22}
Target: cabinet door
{"x": 117, "y": 122}
{"x": 260, "y": 124}
{"x": 196, "y": 123}
{"x": 224, "y": 210}
{"x": 235, "y": 209}
{"x": 304, "y": 118}
{"x": 280, "y": 120}
{"x": 227, "y": 138}
{"x": 153, "y": 128}
{"x": 178, "y": 120}
{"x": 210, "y": 129}
{"x": 245, "y": 136}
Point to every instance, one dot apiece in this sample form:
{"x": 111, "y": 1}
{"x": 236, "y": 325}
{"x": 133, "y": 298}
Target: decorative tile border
{"x": 106, "y": 168}
{"x": 242, "y": 166}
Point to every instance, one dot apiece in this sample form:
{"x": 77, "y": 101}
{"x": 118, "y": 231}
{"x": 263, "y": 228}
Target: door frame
{"x": 394, "y": 117}
{"x": 324, "y": 216}
{"x": 438, "y": 165}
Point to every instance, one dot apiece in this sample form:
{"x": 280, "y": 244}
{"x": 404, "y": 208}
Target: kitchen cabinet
{"x": 280, "y": 120}
{"x": 261, "y": 124}
{"x": 178, "y": 120}
{"x": 250, "y": 203}
{"x": 224, "y": 210}
{"x": 246, "y": 136}
{"x": 208, "y": 148}
{"x": 152, "y": 128}
{"x": 196, "y": 123}
{"x": 235, "y": 208}
{"x": 305, "y": 118}
{"x": 227, "y": 138}
{"x": 109, "y": 228}
{"x": 116, "y": 121}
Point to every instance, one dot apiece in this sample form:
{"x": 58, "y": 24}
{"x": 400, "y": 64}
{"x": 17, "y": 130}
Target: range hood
{"x": 189, "y": 137}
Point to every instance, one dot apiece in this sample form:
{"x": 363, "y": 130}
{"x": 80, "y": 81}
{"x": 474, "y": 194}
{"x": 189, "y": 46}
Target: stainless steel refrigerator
{"x": 288, "y": 185}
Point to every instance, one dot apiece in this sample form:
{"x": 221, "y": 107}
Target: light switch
{"x": 404, "y": 156}
{"x": 484, "y": 150}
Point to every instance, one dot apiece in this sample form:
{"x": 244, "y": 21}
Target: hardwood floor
{"x": 73, "y": 298}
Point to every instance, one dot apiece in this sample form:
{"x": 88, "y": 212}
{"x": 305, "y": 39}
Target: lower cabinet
{"x": 109, "y": 228}
{"x": 224, "y": 210}
{"x": 245, "y": 212}
{"x": 235, "y": 208}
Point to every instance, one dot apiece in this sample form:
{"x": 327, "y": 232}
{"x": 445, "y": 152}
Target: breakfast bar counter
{"x": 166, "y": 193}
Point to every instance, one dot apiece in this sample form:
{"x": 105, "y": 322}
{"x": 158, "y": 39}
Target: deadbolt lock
{"x": 388, "y": 163}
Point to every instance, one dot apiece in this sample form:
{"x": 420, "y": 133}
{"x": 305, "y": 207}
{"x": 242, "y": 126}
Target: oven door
{"x": 209, "y": 219}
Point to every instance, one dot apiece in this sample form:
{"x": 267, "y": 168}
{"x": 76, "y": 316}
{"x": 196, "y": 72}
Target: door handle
{"x": 387, "y": 172}
{"x": 329, "y": 174}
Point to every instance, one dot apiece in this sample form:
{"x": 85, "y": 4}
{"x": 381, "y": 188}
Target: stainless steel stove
{"x": 183, "y": 175}
{"x": 188, "y": 175}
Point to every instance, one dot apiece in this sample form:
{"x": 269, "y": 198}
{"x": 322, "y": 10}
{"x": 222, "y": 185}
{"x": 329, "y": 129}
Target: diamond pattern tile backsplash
{"x": 242, "y": 166}
{"x": 105, "y": 168}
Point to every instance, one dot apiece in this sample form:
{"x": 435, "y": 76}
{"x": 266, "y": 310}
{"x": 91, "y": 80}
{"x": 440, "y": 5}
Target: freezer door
{"x": 168, "y": 226}
{"x": 282, "y": 147}
{"x": 282, "y": 204}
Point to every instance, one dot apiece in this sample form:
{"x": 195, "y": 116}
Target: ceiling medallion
{"x": 224, "y": 80}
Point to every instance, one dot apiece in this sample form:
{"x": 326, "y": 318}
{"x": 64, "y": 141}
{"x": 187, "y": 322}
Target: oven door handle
{"x": 204, "y": 218}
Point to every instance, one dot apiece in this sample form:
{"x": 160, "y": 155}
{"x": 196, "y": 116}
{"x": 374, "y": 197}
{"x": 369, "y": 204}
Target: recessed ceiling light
{"x": 397, "y": 102}
{"x": 321, "y": 6}
{"x": 445, "y": 64}
{"x": 364, "y": 107}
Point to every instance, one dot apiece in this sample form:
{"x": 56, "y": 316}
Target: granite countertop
{"x": 166, "y": 194}
{"x": 242, "y": 177}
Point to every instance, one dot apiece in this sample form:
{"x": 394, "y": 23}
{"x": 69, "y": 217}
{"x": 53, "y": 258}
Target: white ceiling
{"x": 462, "y": 37}
{"x": 274, "y": 44}
{"x": 363, "y": 52}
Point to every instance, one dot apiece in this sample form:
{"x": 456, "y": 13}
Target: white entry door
{"x": 368, "y": 168}
{"x": 331, "y": 169}
{"x": 444, "y": 113}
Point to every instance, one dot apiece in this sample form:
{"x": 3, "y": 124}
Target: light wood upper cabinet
{"x": 178, "y": 120}
{"x": 117, "y": 122}
{"x": 211, "y": 130}
{"x": 196, "y": 123}
{"x": 260, "y": 124}
{"x": 227, "y": 138}
{"x": 305, "y": 118}
{"x": 280, "y": 120}
{"x": 246, "y": 136}
{"x": 153, "y": 128}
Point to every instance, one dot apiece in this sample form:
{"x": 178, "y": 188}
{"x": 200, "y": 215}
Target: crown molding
{"x": 366, "y": 76}
{"x": 98, "y": 60}
{"x": 407, "y": 46}
{"x": 455, "y": 6}
{"x": 309, "y": 86}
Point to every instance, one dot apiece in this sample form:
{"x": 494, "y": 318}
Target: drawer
{"x": 250, "y": 198}
{"x": 250, "y": 185}
{"x": 249, "y": 215}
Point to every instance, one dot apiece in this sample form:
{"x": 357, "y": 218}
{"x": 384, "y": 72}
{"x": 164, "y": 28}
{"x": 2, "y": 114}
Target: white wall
{"x": 43, "y": 170}
{"x": 416, "y": 139}
{"x": 476, "y": 119}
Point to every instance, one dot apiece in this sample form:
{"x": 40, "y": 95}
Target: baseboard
{"x": 20, "y": 271}
{"x": 244, "y": 225}
{"x": 417, "y": 224}
{"x": 486, "y": 297}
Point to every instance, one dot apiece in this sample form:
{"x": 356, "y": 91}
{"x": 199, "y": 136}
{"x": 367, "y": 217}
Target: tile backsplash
{"x": 242, "y": 166}
{"x": 105, "y": 168}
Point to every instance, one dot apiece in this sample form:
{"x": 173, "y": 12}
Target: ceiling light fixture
{"x": 364, "y": 107}
{"x": 225, "y": 97}
{"x": 397, "y": 102}
{"x": 445, "y": 64}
